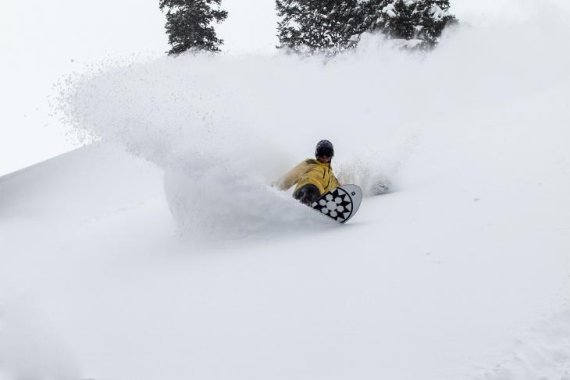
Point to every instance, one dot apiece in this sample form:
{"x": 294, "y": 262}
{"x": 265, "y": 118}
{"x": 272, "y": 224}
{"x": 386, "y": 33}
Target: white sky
{"x": 41, "y": 42}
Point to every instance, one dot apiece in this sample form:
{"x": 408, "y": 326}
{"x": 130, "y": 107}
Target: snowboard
{"x": 339, "y": 204}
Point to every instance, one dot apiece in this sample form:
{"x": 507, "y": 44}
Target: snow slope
{"x": 161, "y": 251}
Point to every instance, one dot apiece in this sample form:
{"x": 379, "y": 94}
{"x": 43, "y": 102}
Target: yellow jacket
{"x": 313, "y": 172}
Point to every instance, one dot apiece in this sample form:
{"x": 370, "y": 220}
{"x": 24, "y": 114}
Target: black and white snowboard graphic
{"x": 340, "y": 204}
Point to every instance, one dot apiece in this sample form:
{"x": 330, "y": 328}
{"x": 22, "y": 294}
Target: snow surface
{"x": 161, "y": 251}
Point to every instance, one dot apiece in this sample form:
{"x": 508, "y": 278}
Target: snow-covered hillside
{"x": 161, "y": 252}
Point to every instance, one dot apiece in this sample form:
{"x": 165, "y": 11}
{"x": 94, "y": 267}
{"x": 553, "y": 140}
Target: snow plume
{"x": 223, "y": 128}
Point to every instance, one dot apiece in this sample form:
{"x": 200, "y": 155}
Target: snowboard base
{"x": 340, "y": 204}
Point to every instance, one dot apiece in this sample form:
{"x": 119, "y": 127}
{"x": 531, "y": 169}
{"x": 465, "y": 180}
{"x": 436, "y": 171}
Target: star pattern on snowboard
{"x": 336, "y": 204}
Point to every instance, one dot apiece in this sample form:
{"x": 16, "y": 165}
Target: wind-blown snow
{"x": 460, "y": 273}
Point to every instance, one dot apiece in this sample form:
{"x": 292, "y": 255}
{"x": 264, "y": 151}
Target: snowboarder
{"x": 313, "y": 177}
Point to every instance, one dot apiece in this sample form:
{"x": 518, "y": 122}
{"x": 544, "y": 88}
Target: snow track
{"x": 542, "y": 352}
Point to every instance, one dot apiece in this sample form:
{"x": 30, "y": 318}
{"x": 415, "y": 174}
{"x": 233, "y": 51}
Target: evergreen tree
{"x": 419, "y": 21}
{"x": 435, "y": 17}
{"x": 336, "y": 25}
{"x": 188, "y": 24}
{"x": 318, "y": 25}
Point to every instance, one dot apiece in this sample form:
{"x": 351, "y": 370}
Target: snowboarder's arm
{"x": 292, "y": 177}
{"x": 335, "y": 182}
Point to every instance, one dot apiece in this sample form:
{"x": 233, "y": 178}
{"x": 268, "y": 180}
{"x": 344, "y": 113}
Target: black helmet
{"x": 324, "y": 149}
